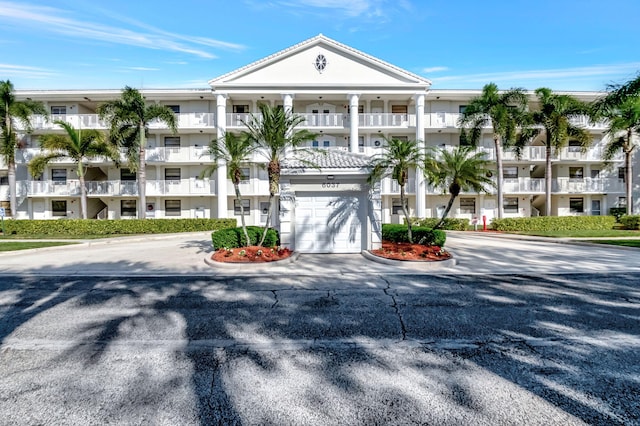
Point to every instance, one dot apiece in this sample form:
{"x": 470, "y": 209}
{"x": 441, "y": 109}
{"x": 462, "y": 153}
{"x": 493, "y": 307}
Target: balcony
{"x": 522, "y": 185}
{"x": 390, "y": 186}
{"x": 71, "y": 188}
{"x": 567, "y": 185}
{"x": 250, "y": 187}
{"x": 177, "y": 154}
{"x": 48, "y": 188}
{"x": 185, "y": 120}
{"x": 378, "y": 120}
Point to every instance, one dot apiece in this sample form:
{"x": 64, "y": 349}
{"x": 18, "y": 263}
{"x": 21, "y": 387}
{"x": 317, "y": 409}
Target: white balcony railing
{"x": 384, "y": 120}
{"x": 588, "y": 185}
{"x": 185, "y": 120}
{"x": 123, "y": 188}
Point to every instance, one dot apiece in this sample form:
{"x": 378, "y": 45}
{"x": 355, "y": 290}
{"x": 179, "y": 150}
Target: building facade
{"x": 352, "y": 101}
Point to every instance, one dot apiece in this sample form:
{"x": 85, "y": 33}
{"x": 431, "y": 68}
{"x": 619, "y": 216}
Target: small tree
{"x": 78, "y": 145}
{"x": 235, "y": 150}
{"x": 129, "y": 119}
{"x": 462, "y": 169}
{"x": 396, "y": 159}
{"x": 274, "y": 133}
{"x": 12, "y": 111}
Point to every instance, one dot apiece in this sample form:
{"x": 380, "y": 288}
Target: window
{"x": 58, "y": 110}
{"x": 396, "y": 206}
{"x": 360, "y": 109}
{"x": 574, "y": 146}
{"x": 510, "y": 173}
{"x": 127, "y": 175}
{"x": 172, "y": 208}
{"x": 59, "y": 176}
{"x": 174, "y": 108}
{"x": 172, "y": 141}
{"x": 622, "y": 201}
{"x": 463, "y": 140}
{"x": 595, "y": 173}
{"x": 398, "y": 109}
{"x": 241, "y": 109}
{"x": 326, "y": 144}
{"x": 4, "y": 180}
{"x": 621, "y": 173}
{"x": 246, "y": 174}
{"x": 246, "y": 205}
{"x": 576, "y": 173}
{"x": 172, "y": 173}
{"x": 128, "y": 208}
{"x": 576, "y": 205}
{"x": 462, "y": 109}
{"x": 315, "y": 144}
{"x": 58, "y": 208}
{"x": 511, "y": 205}
{"x": 468, "y": 205}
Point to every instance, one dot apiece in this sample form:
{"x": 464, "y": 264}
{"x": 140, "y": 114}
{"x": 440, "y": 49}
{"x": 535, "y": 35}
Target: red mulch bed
{"x": 415, "y": 252}
{"x": 251, "y": 254}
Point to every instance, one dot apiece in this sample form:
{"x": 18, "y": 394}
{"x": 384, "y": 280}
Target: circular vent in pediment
{"x": 321, "y": 62}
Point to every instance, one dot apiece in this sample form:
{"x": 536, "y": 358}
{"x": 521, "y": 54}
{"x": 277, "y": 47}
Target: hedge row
{"x": 80, "y": 227}
{"x": 449, "y": 223}
{"x": 234, "y": 237}
{"x": 630, "y": 222}
{"x": 420, "y": 234}
{"x": 554, "y": 223}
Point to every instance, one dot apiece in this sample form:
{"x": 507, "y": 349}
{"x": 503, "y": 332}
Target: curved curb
{"x": 231, "y": 265}
{"x": 440, "y": 264}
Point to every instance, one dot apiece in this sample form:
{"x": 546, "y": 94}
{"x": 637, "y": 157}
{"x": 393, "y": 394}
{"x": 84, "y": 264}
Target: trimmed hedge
{"x": 80, "y": 227}
{"x": 421, "y": 235}
{"x": 554, "y": 223}
{"x": 234, "y": 237}
{"x": 630, "y": 222}
{"x": 618, "y": 212}
{"x": 449, "y": 223}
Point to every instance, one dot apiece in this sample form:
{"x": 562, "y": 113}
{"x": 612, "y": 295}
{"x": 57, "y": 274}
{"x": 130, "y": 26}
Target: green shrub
{"x": 82, "y": 227}
{"x": 618, "y": 212}
{"x": 421, "y": 235}
{"x": 554, "y": 223}
{"x": 234, "y": 237}
{"x": 630, "y": 222}
{"x": 449, "y": 223}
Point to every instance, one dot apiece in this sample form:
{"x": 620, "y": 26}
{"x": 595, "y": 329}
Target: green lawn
{"x": 24, "y": 245}
{"x": 583, "y": 234}
{"x": 626, "y": 243}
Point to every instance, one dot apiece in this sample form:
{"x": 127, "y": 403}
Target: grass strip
{"x": 25, "y": 245}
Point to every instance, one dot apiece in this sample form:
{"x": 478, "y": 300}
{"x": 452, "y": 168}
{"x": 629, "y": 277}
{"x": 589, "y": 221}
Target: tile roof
{"x": 325, "y": 159}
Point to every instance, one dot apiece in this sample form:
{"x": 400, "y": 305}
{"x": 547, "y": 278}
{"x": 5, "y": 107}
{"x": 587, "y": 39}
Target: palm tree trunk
{"x": 273, "y": 171}
{"x": 547, "y": 180}
{"x": 628, "y": 174}
{"x": 406, "y": 213}
{"x": 142, "y": 174}
{"x": 446, "y": 211}
{"x": 498, "y": 148}
{"x": 268, "y": 222}
{"x": 83, "y": 191}
{"x": 236, "y": 186}
{"x": 13, "y": 199}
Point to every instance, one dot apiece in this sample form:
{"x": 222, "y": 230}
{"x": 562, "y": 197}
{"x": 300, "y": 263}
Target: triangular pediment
{"x": 302, "y": 66}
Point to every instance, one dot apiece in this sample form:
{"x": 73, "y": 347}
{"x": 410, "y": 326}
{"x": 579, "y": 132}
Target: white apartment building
{"x": 352, "y": 100}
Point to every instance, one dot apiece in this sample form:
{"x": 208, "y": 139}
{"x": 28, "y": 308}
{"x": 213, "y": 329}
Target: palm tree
{"x": 235, "y": 150}
{"x": 554, "y": 116}
{"x": 78, "y": 145}
{"x": 623, "y": 123}
{"x": 129, "y": 119}
{"x": 396, "y": 159}
{"x": 505, "y": 112}
{"x": 461, "y": 169}
{"x": 11, "y": 111}
{"x": 274, "y": 133}
{"x": 619, "y": 93}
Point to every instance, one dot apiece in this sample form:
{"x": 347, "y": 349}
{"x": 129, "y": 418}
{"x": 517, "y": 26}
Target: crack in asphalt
{"x": 396, "y": 308}
{"x": 275, "y": 296}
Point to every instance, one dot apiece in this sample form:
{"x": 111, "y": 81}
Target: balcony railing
{"x": 384, "y": 120}
{"x": 123, "y": 188}
{"x": 588, "y": 185}
{"x": 185, "y": 120}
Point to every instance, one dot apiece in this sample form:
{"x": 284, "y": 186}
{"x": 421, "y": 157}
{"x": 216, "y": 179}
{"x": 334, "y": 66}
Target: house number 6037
{"x": 330, "y": 185}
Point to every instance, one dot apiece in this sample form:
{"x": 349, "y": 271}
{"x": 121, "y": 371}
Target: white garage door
{"x": 329, "y": 223}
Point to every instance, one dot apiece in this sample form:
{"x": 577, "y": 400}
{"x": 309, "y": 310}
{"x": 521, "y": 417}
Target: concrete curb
{"x": 231, "y": 265}
{"x": 441, "y": 264}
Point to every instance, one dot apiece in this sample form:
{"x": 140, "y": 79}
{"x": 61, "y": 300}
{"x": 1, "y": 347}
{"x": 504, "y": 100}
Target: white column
{"x": 287, "y": 99}
{"x": 353, "y": 121}
{"x": 221, "y": 173}
{"x": 421, "y": 187}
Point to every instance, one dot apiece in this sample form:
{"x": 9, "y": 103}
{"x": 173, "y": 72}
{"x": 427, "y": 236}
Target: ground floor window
{"x": 172, "y": 208}
{"x": 576, "y": 205}
{"x": 468, "y": 205}
{"x": 396, "y": 206}
{"x": 128, "y": 208}
{"x": 246, "y": 205}
{"x": 511, "y": 205}
{"x": 58, "y": 208}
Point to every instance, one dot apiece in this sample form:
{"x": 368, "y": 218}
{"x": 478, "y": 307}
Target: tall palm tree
{"x": 554, "y": 116}
{"x": 12, "y": 110}
{"x": 236, "y": 150}
{"x": 275, "y": 134}
{"x": 619, "y": 93}
{"x": 396, "y": 159}
{"x": 623, "y": 125}
{"x": 505, "y": 112}
{"x": 80, "y": 146}
{"x": 461, "y": 169}
{"x": 129, "y": 119}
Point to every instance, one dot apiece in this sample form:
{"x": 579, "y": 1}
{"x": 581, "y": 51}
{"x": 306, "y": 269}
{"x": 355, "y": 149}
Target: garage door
{"x": 329, "y": 223}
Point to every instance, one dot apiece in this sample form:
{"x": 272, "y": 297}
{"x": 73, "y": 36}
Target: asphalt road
{"x": 356, "y": 349}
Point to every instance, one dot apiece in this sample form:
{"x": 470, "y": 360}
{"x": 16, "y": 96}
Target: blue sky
{"x": 458, "y": 44}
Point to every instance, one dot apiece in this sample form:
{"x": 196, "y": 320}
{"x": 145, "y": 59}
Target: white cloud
{"x": 12, "y": 70}
{"x": 54, "y": 20}
{"x": 351, "y": 8}
{"x": 434, "y": 69}
{"x": 142, "y": 69}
